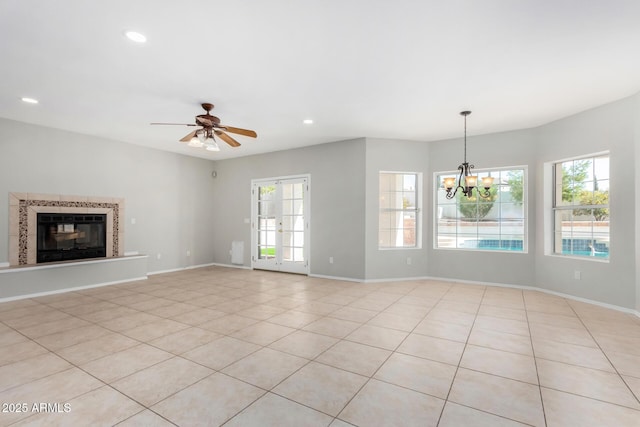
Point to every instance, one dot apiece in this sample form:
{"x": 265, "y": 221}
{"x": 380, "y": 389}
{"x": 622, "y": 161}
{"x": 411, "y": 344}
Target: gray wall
{"x": 610, "y": 127}
{"x": 636, "y": 158}
{"x": 395, "y": 156}
{"x": 51, "y": 278}
{"x": 167, "y": 194}
{"x": 486, "y": 151}
{"x": 337, "y": 203}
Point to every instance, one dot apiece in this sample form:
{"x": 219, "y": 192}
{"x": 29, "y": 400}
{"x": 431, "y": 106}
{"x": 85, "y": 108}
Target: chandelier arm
{"x": 451, "y": 194}
{"x": 462, "y": 174}
{"x": 486, "y": 194}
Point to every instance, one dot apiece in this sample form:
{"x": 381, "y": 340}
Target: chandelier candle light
{"x": 470, "y": 181}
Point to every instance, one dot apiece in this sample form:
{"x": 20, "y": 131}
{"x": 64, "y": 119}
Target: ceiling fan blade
{"x": 226, "y": 138}
{"x": 239, "y": 131}
{"x": 174, "y": 124}
{"x": 188, "y": 137}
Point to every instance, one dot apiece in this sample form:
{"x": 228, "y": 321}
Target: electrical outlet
{"x": 408, "y": 260}
{"x": 188, "y": 253}
{"x": 577, "y": 275}
{"x": 330, "y": 260}
{"x": 159, "y": 256}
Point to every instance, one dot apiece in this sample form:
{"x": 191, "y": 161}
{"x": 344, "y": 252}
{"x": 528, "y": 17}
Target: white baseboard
{"x": 347, "y": 279}
{"x": 241, "y": 267}
{"x": 546, "y": 291}
{"x": 77, "y": 288}
{"x": 173, "y": 270}
{"x": 344, "y": 279}
{"x": 499, "y": 285}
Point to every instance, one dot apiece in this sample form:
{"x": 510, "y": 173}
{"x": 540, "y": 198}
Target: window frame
{"x": 554, "y": 209}
{"x": 417, "y": 210}
{"x": 525, "y": 209}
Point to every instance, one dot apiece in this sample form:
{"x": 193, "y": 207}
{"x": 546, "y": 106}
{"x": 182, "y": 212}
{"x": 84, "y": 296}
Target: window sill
{"x": 581, "y": 258}
{"x": 400, "y": 249}
{"x": 492, "y": 251}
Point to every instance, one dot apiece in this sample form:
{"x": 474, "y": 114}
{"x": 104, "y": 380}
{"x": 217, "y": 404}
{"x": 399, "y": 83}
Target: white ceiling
{"x": 389, "y": 69}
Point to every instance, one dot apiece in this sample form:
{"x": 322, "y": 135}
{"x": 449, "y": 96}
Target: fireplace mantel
{"x": 23, "y": 210}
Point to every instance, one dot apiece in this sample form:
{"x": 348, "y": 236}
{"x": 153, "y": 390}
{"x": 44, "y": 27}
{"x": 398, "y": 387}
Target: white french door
{"x": 280, "y": 224}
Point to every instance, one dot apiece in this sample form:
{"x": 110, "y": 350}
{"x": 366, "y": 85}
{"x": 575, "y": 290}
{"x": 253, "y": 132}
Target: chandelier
{"x": 466, "y": 181}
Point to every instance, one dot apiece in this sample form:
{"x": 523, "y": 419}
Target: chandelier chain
{"x": 465, "y": 138}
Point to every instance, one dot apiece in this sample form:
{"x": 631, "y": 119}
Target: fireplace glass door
{"x": 65, "y": 237}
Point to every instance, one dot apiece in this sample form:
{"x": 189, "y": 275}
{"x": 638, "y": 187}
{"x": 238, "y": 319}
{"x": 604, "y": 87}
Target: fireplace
{"x": 64, "y": 237}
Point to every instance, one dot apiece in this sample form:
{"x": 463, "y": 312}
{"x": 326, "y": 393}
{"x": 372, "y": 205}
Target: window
{"x": 581, "y": 207}
{"x": 497, "y": 223}
{"x": 399, "y": 219}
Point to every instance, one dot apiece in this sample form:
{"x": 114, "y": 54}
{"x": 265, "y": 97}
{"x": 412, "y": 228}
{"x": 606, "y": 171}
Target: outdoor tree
{"x": 515, "y": 183}
{"x": 574, "y": 175}
{"x": 596, "y": 197}
{"x": 476, "y": 208}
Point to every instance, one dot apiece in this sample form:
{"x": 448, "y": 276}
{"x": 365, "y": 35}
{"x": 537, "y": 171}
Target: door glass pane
{"x": 287, "y": 222}
{"x": 266, "y": 252}
{"x": 266, "y": 192}
{"x": 293, "y": 222}
{"x": 266, "y": 236}
{"x": 266, "y": 222}
{"x": 287, "y": 206}
{"x": 266, "y": 208}
{"x": 298, "y": 207}
{"x": 287, "y": 191}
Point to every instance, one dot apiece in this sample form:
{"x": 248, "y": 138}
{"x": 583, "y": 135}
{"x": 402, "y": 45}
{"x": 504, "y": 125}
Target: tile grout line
{"x": 455, "y": 374}
{"x": 607, "y": 357}
{"x": 385, "y": 360}
{"x": 535, "y": 359}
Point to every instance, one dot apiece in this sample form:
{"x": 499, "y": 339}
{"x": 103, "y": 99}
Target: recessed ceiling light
{"x": 307, "y": 121}
{"x": 135, "y": 36}
{"x": 29, "y": 100}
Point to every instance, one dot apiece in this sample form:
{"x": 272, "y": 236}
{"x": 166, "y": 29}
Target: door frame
{"x": 307, "y": 218}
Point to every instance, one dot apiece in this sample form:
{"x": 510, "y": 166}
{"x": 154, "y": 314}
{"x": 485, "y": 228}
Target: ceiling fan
{"x": 210, "y": 126}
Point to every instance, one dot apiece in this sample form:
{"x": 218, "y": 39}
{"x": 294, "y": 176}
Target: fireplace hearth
{"x": 65, "y": 237}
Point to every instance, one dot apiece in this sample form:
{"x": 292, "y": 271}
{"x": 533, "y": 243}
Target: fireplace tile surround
{"x": 23, "y": 210}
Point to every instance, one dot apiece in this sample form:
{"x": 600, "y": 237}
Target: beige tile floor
{"x": 214, "y": 346}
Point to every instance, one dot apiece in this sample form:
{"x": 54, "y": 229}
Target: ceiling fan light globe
{"x": 210, "y": 143}
{"x": 212, "y": 147}
{"x": 195, "y": 142}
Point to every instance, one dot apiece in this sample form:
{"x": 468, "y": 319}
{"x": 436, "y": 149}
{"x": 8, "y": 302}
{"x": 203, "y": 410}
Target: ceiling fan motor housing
{"x": 207, "y": 120}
